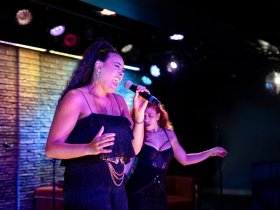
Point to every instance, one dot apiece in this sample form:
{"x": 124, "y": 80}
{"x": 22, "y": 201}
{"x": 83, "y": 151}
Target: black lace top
{"x": 146, "y": 186}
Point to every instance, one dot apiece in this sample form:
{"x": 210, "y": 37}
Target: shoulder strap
{"x": 166, "y": 141}
{"x": 85, "y": 98}
{"x": 118, "y": 103}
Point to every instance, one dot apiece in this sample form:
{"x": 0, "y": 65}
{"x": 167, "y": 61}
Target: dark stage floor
{"x": 230, "y": 202}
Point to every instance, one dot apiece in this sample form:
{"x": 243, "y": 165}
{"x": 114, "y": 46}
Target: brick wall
{"x": 30, "y": 85}
{"x": 42, "y": 77}
{"x": 8, "y": 126}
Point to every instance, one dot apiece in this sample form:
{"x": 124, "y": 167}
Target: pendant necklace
{"x": 105, "y": 107}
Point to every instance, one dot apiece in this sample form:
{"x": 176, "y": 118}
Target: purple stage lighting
{"x": 57, "y": 30}
{"x": 176, "y": 37}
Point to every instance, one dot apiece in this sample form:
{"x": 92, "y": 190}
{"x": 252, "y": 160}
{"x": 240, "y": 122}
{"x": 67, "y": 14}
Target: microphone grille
{"x": 127, "y": 84}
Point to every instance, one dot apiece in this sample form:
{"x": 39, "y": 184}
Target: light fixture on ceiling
{"x": 106, "y": 12}
{"x": 272, "y": 83}
{"x": 71, "y": 41}
{"x": 172, "y": 66}
{"x": 155, "y": 71}
{"x": 146, "y": 80}
{"x": 24, "y": 17}
{"x": 23, "y": 46}
{"x": 179, "y": 37}
{"x": 127, "y": 48}
{"x": 66, "y": 54}
{"x": 57, "y": 30}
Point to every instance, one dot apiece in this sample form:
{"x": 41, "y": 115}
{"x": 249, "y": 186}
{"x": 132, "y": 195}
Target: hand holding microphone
{"x": 129, "y": 85}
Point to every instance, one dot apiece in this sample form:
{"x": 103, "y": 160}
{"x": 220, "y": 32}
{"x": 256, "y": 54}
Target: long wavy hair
{"x": 163, "y": 121}
{"x": 81, "y": 76}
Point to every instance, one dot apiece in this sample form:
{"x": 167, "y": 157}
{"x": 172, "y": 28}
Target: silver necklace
{"x": 105, "y": 107}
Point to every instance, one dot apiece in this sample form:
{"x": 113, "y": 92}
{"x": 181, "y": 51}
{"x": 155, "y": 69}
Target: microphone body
{"x": 129, "y": 85}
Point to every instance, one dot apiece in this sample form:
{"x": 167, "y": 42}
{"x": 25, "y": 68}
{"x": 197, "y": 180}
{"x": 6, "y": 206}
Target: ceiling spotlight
{"x": 146, "y": 80}
{"x": 176, "y": 37}
{"x": 70, "y": 40}
{"x": 155, "y": 71}
{"x": 57, "y": 30}
{"x": 126, "y": 48}
{"x": 24, "y": 17}
{"x": 106, "y": 12}
{"x": 272, "y": 82}
{"x": 171, "y": 66}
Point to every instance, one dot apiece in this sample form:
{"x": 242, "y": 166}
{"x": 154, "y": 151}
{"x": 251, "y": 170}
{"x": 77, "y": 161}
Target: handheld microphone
{"x": 7, "y": 145}
{"x": 129, "y": 85}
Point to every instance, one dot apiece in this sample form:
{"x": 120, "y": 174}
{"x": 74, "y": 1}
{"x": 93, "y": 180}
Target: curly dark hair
{"x": 164, "y": 121}
{"x": 81, "y": 76}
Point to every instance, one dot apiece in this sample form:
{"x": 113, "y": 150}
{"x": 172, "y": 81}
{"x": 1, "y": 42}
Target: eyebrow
{"x": 118, "y": 63}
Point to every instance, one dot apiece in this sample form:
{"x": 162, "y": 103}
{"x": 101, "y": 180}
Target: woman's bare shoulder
{"x": 171, "y": 134}
{"x": 73, "y": 97}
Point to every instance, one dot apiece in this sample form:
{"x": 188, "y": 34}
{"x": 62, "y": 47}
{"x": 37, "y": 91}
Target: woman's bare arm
{"x": 137, "y": 129}
{"x": 187, "y": 159}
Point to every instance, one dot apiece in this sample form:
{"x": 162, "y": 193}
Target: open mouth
{"x": 116, "y": 81}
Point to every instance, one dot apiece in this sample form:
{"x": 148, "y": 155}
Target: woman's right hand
{"x": 96, "y": 146}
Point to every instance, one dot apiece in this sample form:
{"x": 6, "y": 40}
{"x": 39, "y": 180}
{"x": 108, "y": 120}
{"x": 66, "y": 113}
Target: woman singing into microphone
{"x": 92, "y": 132}
{"x": 146, "y": 186}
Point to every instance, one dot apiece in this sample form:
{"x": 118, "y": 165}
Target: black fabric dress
{"x": 146, "y": 186}
{"x": 87, "y": 180}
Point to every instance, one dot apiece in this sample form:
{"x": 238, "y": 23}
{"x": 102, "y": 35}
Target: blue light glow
{"x": 146, "y": 80}
{"x": 155, "y": 71}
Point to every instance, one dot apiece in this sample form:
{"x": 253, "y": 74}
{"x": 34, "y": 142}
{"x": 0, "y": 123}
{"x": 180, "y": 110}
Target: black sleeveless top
{"x": 87, "y": 128}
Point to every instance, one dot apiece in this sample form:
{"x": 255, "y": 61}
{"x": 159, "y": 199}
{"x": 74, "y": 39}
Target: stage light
{"x": 146, "y": 80}
{"x": 155, "y": 71}
{"x": 127, "y": 48}
{"x": 66, "y": 54}
{"x": 106, "y": 12}
{"x": 24, "y": 17}
{"x": 23, "y": 46}
{"x": 272, "y": 83}
{"x": 131, "y": 68}
{"x": 277, "y": 80}
{"x": 70, "y": 40}
{"x": 57, "y": 30}
{"x": 172, "y": 66}
{"x": 176, "y": 37}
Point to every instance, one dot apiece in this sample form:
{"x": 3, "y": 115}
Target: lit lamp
{"x": 272, "y": 82}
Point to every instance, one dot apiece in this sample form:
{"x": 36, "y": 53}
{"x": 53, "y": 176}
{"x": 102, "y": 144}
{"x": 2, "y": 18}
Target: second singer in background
{"x": 146, "y": 186}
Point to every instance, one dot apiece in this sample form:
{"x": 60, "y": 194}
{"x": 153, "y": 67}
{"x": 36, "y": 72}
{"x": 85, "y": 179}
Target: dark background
{"x": 227, "y": 52}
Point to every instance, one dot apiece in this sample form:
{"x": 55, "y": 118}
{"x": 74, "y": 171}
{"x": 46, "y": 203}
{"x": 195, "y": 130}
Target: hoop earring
{"x": 98, "y": 73}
